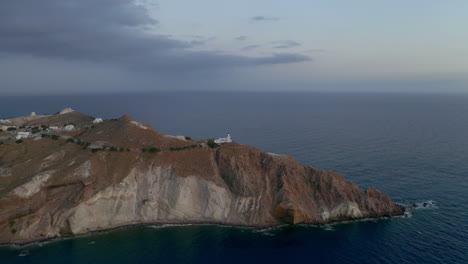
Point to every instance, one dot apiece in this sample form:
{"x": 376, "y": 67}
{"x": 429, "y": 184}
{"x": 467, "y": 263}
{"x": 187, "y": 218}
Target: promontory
{"x": 70, "y": 173}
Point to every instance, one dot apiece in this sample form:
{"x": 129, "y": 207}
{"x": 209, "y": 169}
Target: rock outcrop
{"x": 53, "y": 187}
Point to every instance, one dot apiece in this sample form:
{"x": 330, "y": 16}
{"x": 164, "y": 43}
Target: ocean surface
{"x": 414, "y": 147}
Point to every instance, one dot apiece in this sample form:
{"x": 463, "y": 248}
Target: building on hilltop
{"x": 223, "y": 140}
{"x": 66, "y": 111}
{"x": 97, "y": 120}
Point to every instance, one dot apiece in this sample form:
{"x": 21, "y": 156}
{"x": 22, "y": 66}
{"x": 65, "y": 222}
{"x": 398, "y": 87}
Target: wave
{"x": 167, "y": 225}
{"x": 328, "y": 228}
{"x": 412, "y": 206}
{"x": 424, "y": 205}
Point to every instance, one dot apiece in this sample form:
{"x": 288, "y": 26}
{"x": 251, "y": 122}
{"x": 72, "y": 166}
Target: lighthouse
{"x": 223, "y": 140}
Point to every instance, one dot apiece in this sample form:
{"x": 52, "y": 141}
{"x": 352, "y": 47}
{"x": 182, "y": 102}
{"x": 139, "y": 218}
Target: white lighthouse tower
{"x": 224, "y": 140}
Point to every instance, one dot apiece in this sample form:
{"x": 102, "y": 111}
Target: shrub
{"x": 153, "y": 150}
{"x": 11, "y": 128}
{"x": 113, "y": 148}
{"x": 70, "y": 140}
{"x": 143, "y": 150}
{"x": 121, "y": 149}
{"x": 95, "y": 150}
{"x": 35, "y": 130}
{"x": 13, "y": 230}
{"x": 211, "y": 143}
{"x": 21, "y": 127}
{"x": 1, "y": 142}
{"x": 44, "y": 135}
{"x": 188, "y": 138}
{"x": 82, "y": 143}
{"x": 1, "y": 130}
{"x": 19, "y": 141}
{"x": 55, "y": 137}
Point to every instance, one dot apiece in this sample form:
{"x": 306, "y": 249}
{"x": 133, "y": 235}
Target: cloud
{"x": 116, "y": 32}
{"x": 314, "y": 50}
{"x": 280, "y": 58}
{"x": 286, "y": 44}
{"x": 250, "y": 47}
{"x": 264, "y": 18}
{"x": 241, "y": 38}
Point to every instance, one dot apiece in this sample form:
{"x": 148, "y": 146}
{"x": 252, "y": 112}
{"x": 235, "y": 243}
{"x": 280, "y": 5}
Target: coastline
{"x": 30, "y": 243}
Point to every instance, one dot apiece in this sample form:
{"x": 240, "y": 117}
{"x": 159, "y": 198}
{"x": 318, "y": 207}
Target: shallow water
{"x": 412, "y": 147}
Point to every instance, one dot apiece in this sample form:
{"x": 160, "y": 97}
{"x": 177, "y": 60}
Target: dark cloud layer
{"x": 118, "y": 32}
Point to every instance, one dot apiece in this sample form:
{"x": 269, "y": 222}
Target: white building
{"x": 33, "y": 113}
{"x": 53, "y": 127}
{"x": 21, "y": 135}
{"x": 66, "y": 111}
{"x": 97, "y": 120}
{"x": 69, "y": 128}
{"x": 223, "y": 140}
{"x": 5, "y": 121}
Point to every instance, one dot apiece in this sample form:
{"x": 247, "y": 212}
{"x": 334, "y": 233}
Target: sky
{"x": 106, "y": 46}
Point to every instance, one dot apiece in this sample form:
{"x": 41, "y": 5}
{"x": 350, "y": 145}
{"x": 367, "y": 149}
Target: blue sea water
{"x": 411, "y": 146}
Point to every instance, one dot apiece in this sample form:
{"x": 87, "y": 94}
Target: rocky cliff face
{"x": 59, "y": 187}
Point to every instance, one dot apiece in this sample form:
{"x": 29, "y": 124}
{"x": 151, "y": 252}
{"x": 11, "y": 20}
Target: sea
{"x": 413, "y": 147}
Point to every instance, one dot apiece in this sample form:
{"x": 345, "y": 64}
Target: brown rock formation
{"x": 52, "y": 188}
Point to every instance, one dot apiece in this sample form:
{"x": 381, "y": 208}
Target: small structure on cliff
{"x": 5, "y": 121}
{"x": 223, "y": 140}
{"x": 66, "y": 111}
{"x": 97, "y": 120}
{"x": 69, "y": 127}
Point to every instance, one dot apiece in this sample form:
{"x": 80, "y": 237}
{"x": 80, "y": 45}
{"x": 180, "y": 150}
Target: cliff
{"x": 122, "y": 172}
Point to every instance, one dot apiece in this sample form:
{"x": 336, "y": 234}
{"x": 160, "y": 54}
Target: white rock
{"x": 138, "y": 124}
{"x": 33, "y": 186}
{"x": 156, "y": 195}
